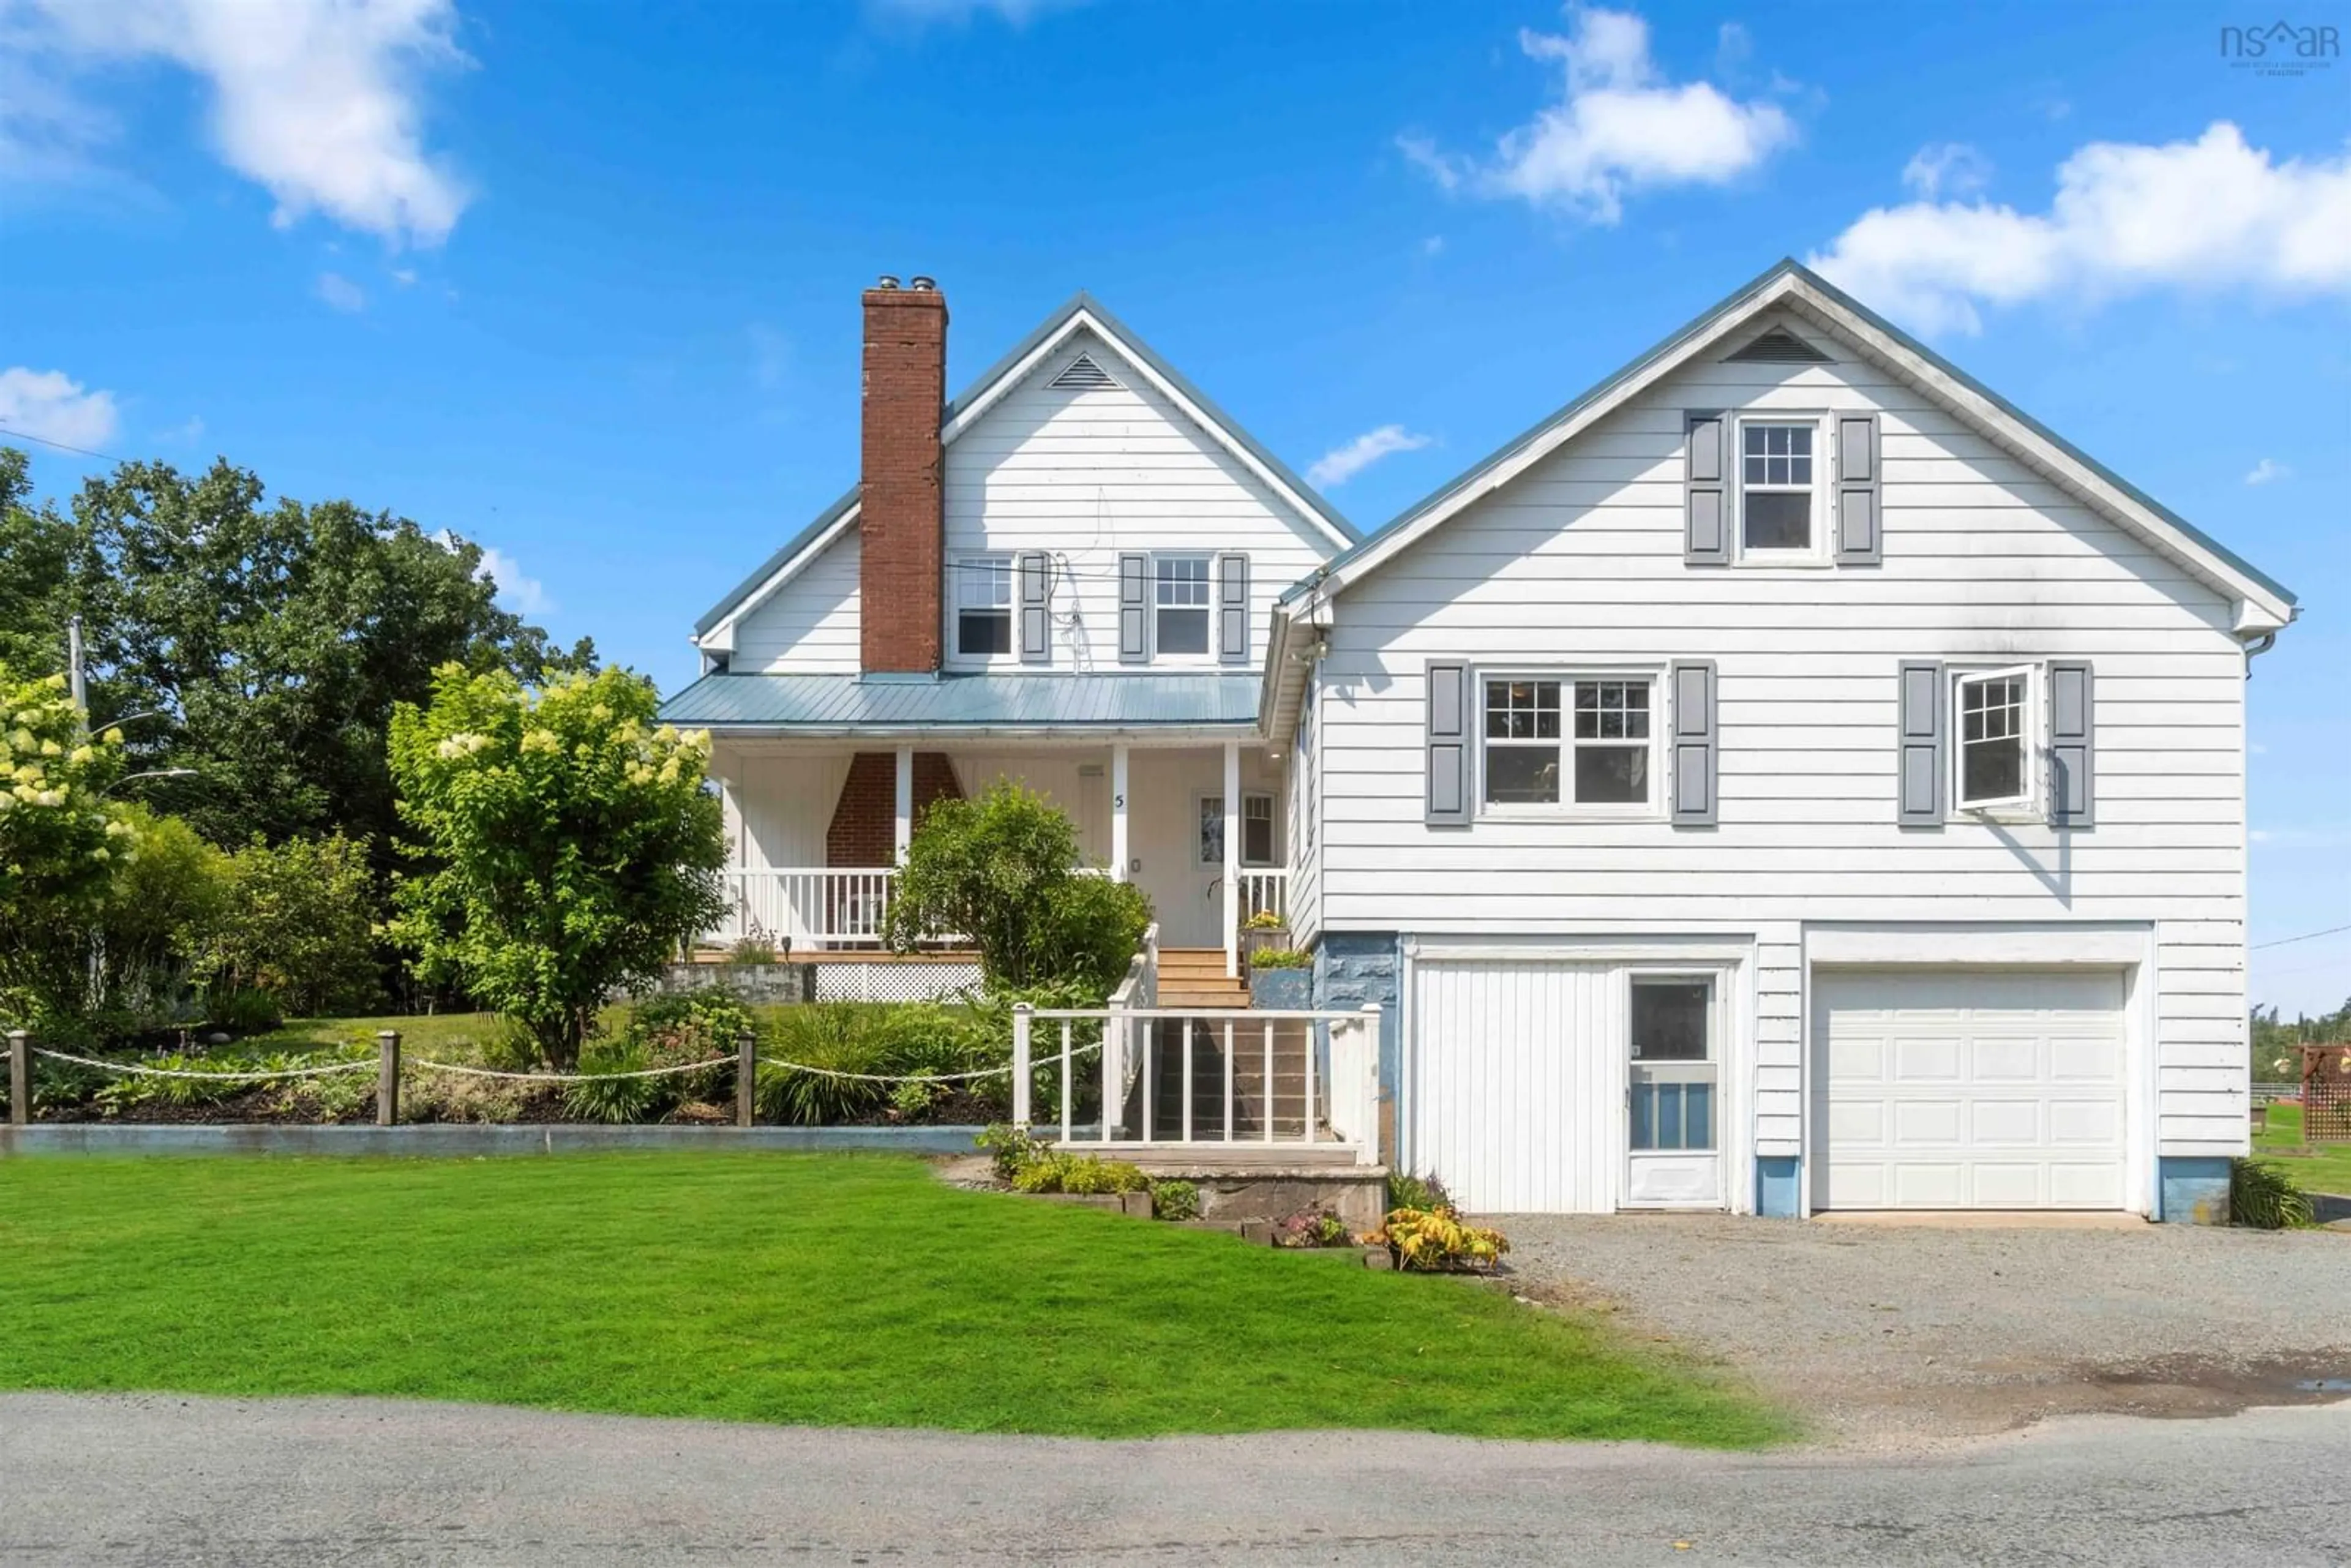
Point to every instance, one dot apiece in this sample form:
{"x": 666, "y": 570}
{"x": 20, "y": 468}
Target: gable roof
{"x": 1793, "y": 285}
{"x": 1080, "y": 312}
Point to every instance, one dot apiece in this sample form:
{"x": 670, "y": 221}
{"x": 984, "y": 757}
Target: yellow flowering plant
{"x": 565, "y": 843}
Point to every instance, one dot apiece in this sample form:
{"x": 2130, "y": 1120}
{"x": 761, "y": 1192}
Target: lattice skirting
{"x": 871, "y": 981}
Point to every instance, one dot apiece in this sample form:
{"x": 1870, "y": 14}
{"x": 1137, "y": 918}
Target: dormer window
{"x": 1780, "y": 485}
{"x": 984, "y": 605}
{"x": 1180, "y": 603}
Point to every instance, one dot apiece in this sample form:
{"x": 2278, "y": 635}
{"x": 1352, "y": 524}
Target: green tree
{"x": 567, "y": 846}
{"x": 1002, "y": 871}
{"x": 57, "y": 839}
{"x": 298, "y": 922}
{"x": 270, "y": 639}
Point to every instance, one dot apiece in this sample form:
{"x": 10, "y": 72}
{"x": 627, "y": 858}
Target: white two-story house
{"x": 1786, "y": 779}
{"x": 1064, "y": 577}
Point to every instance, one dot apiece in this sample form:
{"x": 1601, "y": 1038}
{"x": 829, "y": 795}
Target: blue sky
{"x": 579, "y": 282}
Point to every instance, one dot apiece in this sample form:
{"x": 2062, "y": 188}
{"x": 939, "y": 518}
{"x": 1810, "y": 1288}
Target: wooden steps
{"x": 1196, "y": 977}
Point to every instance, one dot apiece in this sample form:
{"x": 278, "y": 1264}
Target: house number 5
{"x": 1118, "y": 803}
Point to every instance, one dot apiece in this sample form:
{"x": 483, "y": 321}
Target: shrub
{"x": 1010, "y": 1148}
{"x": 570, "y": 846}
{"x": 1281, "y": 959}
{"x": 1436, "y": 1241}
{"x": 2265, "y": 1198}
{"x": 1174, "y": 1200}
{"x": 617, "y": 1099}
{"x": 1409, "y": 1191}
{"x": 750, "y": 951}
{"x": 1000, "y": 870}
{"x": 243, "y": 1010}
{"x": 58, "y": 842}
{"x": 1313, "y": 1227}
{"x": 1263, "y": 920}
{"x": 296, "y": 920}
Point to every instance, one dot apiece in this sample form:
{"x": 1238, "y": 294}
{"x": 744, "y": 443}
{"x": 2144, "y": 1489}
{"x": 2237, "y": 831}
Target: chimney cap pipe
{"x": 922, "y": 284}
{"x": 889, "y": 280}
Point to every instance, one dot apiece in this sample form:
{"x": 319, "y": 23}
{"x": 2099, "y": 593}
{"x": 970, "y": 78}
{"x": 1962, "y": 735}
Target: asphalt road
{"x": 163, "y": 1480}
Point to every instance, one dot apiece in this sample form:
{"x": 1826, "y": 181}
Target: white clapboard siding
{"x": 1581, "y": 559}
{"x": 780, "y": 805}
{"x": 1086, "y": 475}
{"x": 809, "y": 626}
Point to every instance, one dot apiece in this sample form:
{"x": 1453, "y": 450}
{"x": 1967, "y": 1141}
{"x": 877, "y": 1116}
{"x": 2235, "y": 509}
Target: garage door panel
{"x": 1958, "y": 1089}
{"x": 1996, "y": 1059}
{"x": 1923, "y": 1060}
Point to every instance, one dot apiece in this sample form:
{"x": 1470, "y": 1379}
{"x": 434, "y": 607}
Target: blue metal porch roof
{"x": 984, "y": 701}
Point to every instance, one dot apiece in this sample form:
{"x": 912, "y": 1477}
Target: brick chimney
{"x": 901, "y": 508}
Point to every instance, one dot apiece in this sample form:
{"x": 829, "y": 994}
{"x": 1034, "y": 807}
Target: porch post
{"x": 1118, "y": 851}
{"x": 1232, "y": 858}
{"x": 905, "y": 826}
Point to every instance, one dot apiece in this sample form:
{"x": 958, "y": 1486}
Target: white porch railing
{"x": 811, "y": 906}
{"x": 1209, "y": 1078}
{"x": 1265, "y": 893}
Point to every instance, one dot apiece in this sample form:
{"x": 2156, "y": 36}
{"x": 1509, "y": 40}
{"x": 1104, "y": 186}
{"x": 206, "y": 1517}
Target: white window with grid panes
{"x": 1994, "y": 722}
{"x": 1783, "y": 487}
{"x": 983, "y": 601}
{"x": 1180, "y": 606}
{"x": 1578, "y": 744}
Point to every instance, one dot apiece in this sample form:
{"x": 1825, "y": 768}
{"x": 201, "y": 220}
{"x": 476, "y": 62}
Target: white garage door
{"x": 1510, "y": 1089}
{"x": 1968, "y": 1089}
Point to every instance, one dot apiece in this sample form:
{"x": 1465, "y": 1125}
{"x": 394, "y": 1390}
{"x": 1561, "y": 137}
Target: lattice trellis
{"x": 2326, "y": 1093}
{"x": 881, "y": 981}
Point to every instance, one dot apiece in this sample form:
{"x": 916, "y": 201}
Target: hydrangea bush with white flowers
{"x": 566, "y": 844}
{"x": 58, "y": 842}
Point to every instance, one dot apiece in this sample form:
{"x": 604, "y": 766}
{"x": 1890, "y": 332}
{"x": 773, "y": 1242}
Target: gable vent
{"x": 1083, "y": 375}
{"x": 1780, "y": 347}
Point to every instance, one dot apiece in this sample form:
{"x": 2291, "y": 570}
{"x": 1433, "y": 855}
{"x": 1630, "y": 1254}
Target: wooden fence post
{"x": 387, "y": 1078}
{"x": 747, "y": 1077}
{"x": 20, "y": 1077}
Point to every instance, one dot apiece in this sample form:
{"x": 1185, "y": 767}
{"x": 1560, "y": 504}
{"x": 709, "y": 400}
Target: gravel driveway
{"x": 1904, "y": 1336}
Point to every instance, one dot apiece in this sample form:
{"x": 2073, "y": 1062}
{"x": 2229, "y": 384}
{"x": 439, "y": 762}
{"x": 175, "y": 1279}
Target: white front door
{"x": 1673, "y": 1100}
{"x": 1968, "y": 1089}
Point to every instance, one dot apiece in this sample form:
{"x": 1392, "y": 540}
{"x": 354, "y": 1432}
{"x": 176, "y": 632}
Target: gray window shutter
{"x": 1035, "y": 629}
{"x": 2072, "y": 726}
{"x": 1449, "y": 744}
{"x": 1694, "y": 744}
{"x": 1859, "y": 531}
{"x": 1232, "y": 609}
{"x": 1919, "y": 778}
{"x": 1133, "y": 609}
{"x": 1706, "y": 532}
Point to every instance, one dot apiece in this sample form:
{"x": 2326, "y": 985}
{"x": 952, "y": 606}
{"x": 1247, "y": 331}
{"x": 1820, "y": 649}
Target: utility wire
{"x": 2305, "y": 936}
{"x": 44, "y": 441}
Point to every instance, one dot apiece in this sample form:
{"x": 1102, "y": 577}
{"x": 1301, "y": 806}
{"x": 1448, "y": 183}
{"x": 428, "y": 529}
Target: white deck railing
{"x": 811, "y": 906}
{"x": 1239, "y": 1078}
{"x": 1265, "y": 893}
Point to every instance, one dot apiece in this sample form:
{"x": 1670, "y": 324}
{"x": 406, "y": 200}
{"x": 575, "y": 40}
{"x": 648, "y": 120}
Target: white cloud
{"x": 342, "y": 293}
{"x": 2267, "y": 469}
{"x": 1947, "y": 169}
{"x": 2209, "y": 215}
{"x": 49, "y": 405}
{"x": 320, "y": 101}
{"x": 1618, "y": 126}
{"x": 1342, "y": 464}
{"x": 523, "y": 595}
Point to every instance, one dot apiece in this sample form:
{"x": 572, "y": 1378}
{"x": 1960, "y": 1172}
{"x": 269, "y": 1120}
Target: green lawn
{"x": 824, "y": 1288}
{"x": 2328, "y": 1170}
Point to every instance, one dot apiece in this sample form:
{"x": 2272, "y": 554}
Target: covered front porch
{"x": 817, "y": 829}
